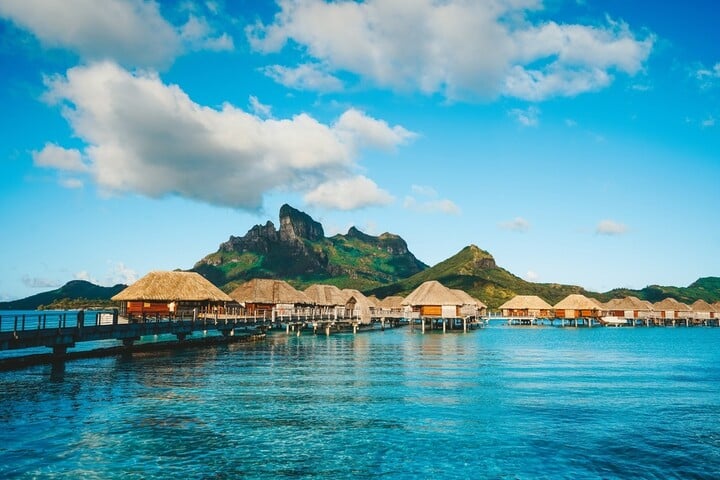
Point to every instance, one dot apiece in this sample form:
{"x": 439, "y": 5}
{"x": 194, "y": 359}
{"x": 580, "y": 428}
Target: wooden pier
{"x": 60, "y": 331}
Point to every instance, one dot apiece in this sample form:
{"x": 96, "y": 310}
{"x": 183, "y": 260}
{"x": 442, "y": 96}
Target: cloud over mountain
{"x": 148, "y": 137}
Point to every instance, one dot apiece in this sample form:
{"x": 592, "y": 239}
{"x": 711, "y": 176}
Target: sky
{"x": 578, "y": 141}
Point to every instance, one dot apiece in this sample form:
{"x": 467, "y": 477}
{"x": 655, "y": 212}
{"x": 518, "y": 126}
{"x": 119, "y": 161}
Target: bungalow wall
{"x": 440, "y": 311}
{"x": 148, "y": 308}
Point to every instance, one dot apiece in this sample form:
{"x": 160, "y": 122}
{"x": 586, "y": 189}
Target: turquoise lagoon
{"x": 502, "y": 402}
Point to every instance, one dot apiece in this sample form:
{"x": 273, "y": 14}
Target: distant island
{"x": 300, "y": 253}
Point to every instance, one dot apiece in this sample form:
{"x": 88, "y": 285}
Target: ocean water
{"x": 502, "y": 402}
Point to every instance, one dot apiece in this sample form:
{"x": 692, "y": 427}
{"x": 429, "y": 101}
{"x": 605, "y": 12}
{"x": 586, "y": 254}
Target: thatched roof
{"x": 703, "y": 306}
{"x": 360, "y": 298}
{"x": 275, "y": 292}
{"x": 467, "y": 299}
{"x": 671, "y": 305}
{"x": 393, "y": 301}
{"x": 325, "y": 295}
{"x": 529, "y": 302}
{"x": 577, "y": 302}
{"x": 172, "y": 286}
{"x": 716, "y": 306}
{"x": 628, "y": 303}
{"x": 432, "y": 293}
{"x": 374, "y": 301}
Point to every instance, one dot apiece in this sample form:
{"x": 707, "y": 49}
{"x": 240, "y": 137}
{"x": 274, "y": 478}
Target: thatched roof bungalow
{"x": 577, "y": 306}
{"x": 671, "y": 309}
{"x": 433, "y": 299}
{"x": 471, "y": 306}
{"x": 261, "y": 295}
{"x": 357, "y": 305}
{"x": 393, "y": 302}
{"x": 168, "y": 293}
{"x": 325, "y": 295}
{"x": 527, "y": 306}
{"x": 628, "y": 308}
{"x": 702, "y": 310}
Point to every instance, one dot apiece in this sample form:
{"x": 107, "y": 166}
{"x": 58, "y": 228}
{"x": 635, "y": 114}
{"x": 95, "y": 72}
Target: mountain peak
{"x": 295, "y": 224}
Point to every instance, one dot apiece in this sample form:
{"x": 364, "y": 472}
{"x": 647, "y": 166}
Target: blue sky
{"x": 578, "y": 141}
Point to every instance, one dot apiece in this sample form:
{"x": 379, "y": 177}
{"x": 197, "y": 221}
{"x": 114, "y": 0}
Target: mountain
{"x": 707, "y": 288}
{"x": 475, "y": 271}
{"x": 73, "y": 293}
{"x": 299, "y": 252}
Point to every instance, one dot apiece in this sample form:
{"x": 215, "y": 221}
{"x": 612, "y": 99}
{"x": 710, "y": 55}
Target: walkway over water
{"x": 62, "y": 330}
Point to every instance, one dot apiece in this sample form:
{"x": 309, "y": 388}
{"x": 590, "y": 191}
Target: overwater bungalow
{"x": 357, "y": 305}
{"x": 627, "y": 310}
{"x": 393, "y": 303}
{"x": 471, "y": 306}
{"x": 328, "y": 296}
{"x": 267, "y": 297}
{"x": 438, "y": 304}
{"x": 576, "y": 307}
{"x": 170, "y": 294}
{"x": 670, "y": 311}
{"x": 703, "y": 312}
{"x": 526, "y": 306}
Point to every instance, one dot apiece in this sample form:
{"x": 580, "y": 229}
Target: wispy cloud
{"x": 707, "y": 77}
{"x": 528, "y": 117}
{"x": 532, "y": 276}
{"x": 307, "y": 76}
{"x": 429, "y": 201}
{"x": 259, "y": 109}
{"x": 611, "y": 228}
{"x": 39, "y": 282}
{"x": 517, "y": 224}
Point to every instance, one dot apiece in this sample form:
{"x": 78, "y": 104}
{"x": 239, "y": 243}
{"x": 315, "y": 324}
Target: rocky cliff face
{"x": 299, "y": 250}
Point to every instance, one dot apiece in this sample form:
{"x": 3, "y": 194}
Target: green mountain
{"x": 474, "y": 270}
{"x": 300, "y": 253}
{"x": 76, "y": 293}
{"x": 707, "y": 288}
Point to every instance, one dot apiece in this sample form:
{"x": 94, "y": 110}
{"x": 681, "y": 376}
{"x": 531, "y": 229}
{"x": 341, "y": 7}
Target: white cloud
{"x": 358, "y": 128}
{"x": 707, "y": 77}
{"x": 130, "y": 32}
{"x": 146, "y": 137}
{"x": 708, "y": 122}
{"x": 348, "y": 194}
{"x": 198, "y": 35}
{"x": 431, "y": 202}
{"x": 431, "y": 206}
{"x": 610, "y": 227}
{"x": 54, "y": 156}
{"x": 260, "y": 109}
{"x": 517, "y": 224}
{"x": 569, "y": 122}
{"x": 84, "y": 275}
{"x": 532, "y": 276}
{"x": 307, "y": 76}
{"x": 460, "y": 49}
{"x": 528, "y": 117}
{"x": 120, "y": 273}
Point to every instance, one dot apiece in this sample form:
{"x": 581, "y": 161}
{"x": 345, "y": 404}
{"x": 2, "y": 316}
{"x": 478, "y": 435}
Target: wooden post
{"x": 444, "y": 322}
{"x": 422, "y": 320}
{"x": 327, "y": 330}
{"x": 464, "y": 325}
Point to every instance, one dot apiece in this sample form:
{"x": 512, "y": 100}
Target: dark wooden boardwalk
{"x": 60, "y": 331}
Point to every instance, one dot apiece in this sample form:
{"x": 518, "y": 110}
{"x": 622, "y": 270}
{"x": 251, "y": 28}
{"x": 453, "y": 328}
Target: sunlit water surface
{"x": 496, "y": 403}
